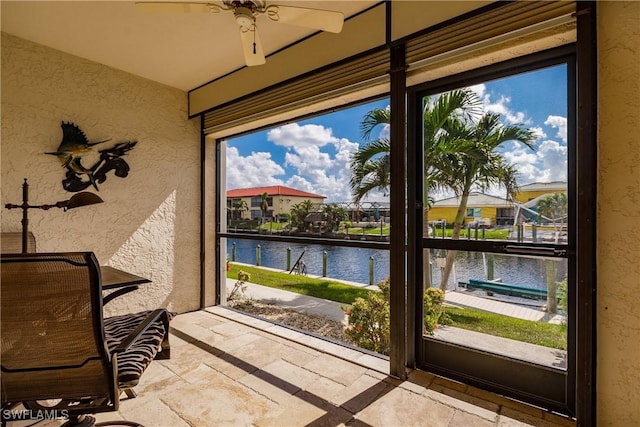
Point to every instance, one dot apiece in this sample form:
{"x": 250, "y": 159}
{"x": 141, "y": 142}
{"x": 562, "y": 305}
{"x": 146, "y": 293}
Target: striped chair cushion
{"x": 133, "y": 362}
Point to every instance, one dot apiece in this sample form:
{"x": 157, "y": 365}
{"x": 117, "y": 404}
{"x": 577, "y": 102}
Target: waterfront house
{"x": 483, "y": 209}
{"x": 528, "y": 192}
{"x": 178, "y": 86}
{"x": 280, "y": 200}
{"x": 489, "y": 210}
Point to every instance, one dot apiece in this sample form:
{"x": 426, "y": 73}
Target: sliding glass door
{"x": 492, "y": 161}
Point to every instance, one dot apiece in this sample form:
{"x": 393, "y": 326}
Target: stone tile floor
{"x": 229, "y": 369}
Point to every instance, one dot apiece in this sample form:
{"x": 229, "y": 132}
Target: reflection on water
{"x": 352, "y": 264}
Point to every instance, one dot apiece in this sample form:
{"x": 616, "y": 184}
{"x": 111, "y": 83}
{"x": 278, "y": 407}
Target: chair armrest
{"x": 117, "y": 293}
{"x": 136, "y": 333}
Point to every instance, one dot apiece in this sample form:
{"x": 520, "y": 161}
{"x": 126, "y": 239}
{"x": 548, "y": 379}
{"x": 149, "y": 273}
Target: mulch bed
{"x": 308, "y": 322}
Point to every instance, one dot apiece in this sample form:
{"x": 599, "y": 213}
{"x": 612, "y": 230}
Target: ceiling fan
{"x": 246, "y": 12}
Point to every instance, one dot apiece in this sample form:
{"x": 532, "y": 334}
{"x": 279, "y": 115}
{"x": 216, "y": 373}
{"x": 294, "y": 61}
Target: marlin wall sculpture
{"x": 75, "y": 145}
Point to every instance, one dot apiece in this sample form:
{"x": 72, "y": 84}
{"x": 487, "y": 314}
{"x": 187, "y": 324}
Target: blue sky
{"x": 313, "y": 154}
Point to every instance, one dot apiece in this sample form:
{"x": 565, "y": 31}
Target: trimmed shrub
{"x": 433, "y": 310}
{"x": 368, "y": 326}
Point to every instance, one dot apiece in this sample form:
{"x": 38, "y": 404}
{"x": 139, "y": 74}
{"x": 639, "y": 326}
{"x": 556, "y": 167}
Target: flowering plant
{"x": 433, "y": 310}
{"x": 368, "y": 325}
{"x": 240, "y": 286}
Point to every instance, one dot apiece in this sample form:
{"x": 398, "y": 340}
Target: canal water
{"x": 353, "y": 264}
{"x": 343, "y": 263}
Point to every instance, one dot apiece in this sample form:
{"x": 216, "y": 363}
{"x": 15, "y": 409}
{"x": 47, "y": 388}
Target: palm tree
{"x": 371, "y": 164}
{"x": 459, "y": 154}
{"x": 469, "y": 160}
{"x": 437, "y": 134}
{"x": 436, "y": 114}
{"x": 555, "y": 207}
{"x": 240, "y": 206}
{"x": 264, "y": 205}
{"x": 333, "y": 215}
{"x": 299, "y": 212}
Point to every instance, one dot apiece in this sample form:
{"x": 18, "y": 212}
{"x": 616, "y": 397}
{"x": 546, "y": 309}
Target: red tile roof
{"x": 274, "y": 190}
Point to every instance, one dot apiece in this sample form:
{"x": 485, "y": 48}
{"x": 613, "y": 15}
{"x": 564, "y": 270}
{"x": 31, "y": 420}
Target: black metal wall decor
{"x": 75, "y": 145}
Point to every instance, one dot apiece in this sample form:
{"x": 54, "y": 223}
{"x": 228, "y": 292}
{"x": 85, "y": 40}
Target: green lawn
{"x": 540, "y": 333}
{"x": 320, "y": 288}
{"x": 274, "y": 226}
{"x": 492, "y": 234}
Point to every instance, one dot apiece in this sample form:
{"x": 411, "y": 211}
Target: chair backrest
{"x": 52, "y": 328}
{"x": 11, "y": 242}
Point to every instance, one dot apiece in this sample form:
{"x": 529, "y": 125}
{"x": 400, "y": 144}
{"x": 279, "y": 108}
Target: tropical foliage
{"x": 333, "y": 214}
{"x": 264, "y": 205}
{"x": 299, "y": 212}
{"x": 368, "y": 325}
{"x": 368, "y": 318}
{"x": 562, "y": 291}
{"x": 460, "y": 154}
{"x": 469, "y": 159}
{"x": 370, "y": 165}
{"x": 433, "y": 312}
{"x": 554, "y": 207}
{"x": 238, "y": 207}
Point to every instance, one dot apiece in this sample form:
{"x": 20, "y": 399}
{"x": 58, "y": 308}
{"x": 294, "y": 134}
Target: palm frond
{"x": 373, "y": 119}
{"x": 379, "y": 147}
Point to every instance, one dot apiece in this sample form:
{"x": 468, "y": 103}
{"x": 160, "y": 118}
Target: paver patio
{"x": 231, "y": 369}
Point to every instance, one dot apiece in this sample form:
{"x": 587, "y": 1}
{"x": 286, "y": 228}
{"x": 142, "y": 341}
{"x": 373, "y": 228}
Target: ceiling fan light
{"x": 244, "y": 17}
{"x": 245, "y": 13}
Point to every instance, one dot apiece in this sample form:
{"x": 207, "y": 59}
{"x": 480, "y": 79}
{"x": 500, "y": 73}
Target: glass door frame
{"x": 540, "y": 385}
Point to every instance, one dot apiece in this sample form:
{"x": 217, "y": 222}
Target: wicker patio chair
{"x": 57, "y": 346}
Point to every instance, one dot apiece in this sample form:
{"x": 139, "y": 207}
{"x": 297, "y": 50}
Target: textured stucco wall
{"x": 149, "y": 223}
{"x": 618, "y": 360}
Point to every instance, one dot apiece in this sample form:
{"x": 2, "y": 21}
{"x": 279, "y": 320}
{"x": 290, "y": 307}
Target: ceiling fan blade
{"x": 252, "y": 46}
{"x": 325, "y": 20}
{"x": 175, "y": 7}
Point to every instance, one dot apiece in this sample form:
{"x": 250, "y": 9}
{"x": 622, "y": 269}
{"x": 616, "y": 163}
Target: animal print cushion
{"x": 133, "y": 362}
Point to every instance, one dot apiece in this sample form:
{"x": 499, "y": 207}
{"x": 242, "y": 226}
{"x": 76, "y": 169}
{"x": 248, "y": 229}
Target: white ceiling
{"x": 179, "y": 50}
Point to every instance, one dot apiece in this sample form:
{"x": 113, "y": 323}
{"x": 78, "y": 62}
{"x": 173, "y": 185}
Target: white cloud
{"x": 319, "y": 160}
{"x": 295, "y": 136}
{"x": 385, "y": 132}
{"x": 307, "y": 159}
{"x": 479, "y": 89}
{"x": 549, "y": 160}
{"x": 255, "y": 170}
{"x": 560, "y": 123}
{"x": 501, "y": 106}
{"x": 547, "y": 163}
{"x": 524, "y": 160}
{"x": 298, "y": 182}
{"x": 538, "y": 132}
{"x": 553, "y": 157}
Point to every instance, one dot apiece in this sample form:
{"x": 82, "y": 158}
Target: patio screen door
{"x": 492, "y": 158}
